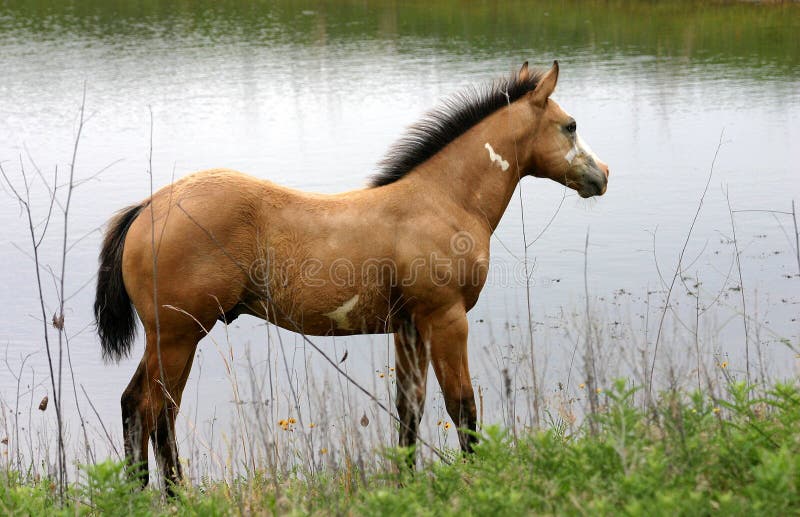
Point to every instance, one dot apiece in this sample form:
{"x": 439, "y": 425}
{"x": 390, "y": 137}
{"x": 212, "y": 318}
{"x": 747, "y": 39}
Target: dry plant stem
{"x": 741, "y": 290}
{"x": 25, "y": 203}
{"x": 529, "y": 311}
{"x": 757, "y": 331}
{"x": 274, "y": 448}
{"x": 304, "y": 337}
{"x": 591, "y": 374}
{"x": 18, "y": 378}
{"x": 678, "y": 269}
{"x": 310, "y": 437}
{"x": 552, "y": 218}
{"x": 534, "y": 377}
{"x": 62, "y": 338}
{"x": 796, "y": 237}
{"x": 90, "y": 459}
{"x": 237, "y": 398}
{"x": 293, "y": 391}
{"x": 30, "y": 417}
{"x": 676, "y": 314}
{"x": 697, "y": 328}
{"x": 793, "y": 213}
{"x": 102, "y": 424}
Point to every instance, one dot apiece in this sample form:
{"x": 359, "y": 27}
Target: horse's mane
{"x": 454, "y": 117}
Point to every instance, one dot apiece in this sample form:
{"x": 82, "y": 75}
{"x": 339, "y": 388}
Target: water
{"x": 311, "y": 96}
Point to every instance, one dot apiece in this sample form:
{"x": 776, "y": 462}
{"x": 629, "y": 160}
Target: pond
{"x": 311, "y": 95}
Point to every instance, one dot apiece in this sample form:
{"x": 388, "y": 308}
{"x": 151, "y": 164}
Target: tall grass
{"x": 687, "y": 454}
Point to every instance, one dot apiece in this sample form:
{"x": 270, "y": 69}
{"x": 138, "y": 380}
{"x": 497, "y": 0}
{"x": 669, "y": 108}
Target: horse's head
{"x": 554, "y": 149}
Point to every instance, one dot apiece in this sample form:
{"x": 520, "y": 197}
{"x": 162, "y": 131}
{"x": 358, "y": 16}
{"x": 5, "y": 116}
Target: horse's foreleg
{"x": 448, "y": 337}
{"x": 411, "y": 369}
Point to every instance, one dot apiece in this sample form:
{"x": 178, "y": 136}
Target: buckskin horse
{"x": 219, "y": 243}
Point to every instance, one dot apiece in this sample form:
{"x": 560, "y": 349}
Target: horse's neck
{"x": 478, "y": 171}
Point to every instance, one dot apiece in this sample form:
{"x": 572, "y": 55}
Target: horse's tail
{"x": 113, "y": 311}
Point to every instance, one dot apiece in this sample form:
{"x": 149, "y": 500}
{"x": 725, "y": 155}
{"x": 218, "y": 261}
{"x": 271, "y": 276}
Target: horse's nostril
{"x": 597, "y": 184}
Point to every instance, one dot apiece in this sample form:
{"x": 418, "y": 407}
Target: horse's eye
{"x": 572, "y": 127}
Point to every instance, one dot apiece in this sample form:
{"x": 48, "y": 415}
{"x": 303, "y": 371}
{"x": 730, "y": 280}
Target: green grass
{"x": 687, "y": 455}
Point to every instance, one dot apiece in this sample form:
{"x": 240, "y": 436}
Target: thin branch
{"x": 741, "y": 289}
{"x": 102, "y": 425}
{"x": 678, "y": 267}
{"x": 763, "y": 211}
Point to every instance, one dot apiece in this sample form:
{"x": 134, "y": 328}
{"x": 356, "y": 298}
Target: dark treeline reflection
{"x": 762, "y": 38}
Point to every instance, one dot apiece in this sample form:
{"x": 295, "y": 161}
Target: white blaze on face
{"x": 572, "y": 153}
{"x": 340, "y": 315}
{"x": 585, "y": 149}
{"x": 578, "y": 149}
{"x": 496, "y": 158}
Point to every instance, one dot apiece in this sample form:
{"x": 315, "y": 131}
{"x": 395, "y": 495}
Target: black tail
{"x": 113, "y": 311}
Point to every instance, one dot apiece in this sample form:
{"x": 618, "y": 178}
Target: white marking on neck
{"x": 496, "y": 158}
{"x": 340, "y": 315}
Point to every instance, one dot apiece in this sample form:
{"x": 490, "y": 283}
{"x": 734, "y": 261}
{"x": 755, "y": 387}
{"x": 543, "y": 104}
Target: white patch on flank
{"x": 496, "y": 158}
{"x": 340, "y": 315}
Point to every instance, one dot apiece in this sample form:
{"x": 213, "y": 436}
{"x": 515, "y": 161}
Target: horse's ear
{"x": 545, "y": 87}
{"x": 524, "y": 74}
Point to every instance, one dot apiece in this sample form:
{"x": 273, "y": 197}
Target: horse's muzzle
{"x": 595, "y": 183}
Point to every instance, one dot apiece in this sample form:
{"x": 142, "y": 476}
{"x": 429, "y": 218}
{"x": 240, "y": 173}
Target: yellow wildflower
{"x": 715, "y": 410}
{"x": 724, "y": 364}
{"x": 323, "y": 451}
{"x": 581, "y": 386}
{"x": 447, "y": 425}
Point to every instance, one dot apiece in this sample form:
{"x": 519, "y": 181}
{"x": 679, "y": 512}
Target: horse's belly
{"x": 319, "y": 313}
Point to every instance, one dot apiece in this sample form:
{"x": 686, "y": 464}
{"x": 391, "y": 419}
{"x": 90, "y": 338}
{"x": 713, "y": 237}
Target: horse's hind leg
{"x": 448, "y": 344}
{"x": 163, "y": 437}
{"x": 153, "y": 395}
{"x": 133, "y": 425}
{"x": 411, "y": 369}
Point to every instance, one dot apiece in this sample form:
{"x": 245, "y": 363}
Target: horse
{"x": 414, "y": 244}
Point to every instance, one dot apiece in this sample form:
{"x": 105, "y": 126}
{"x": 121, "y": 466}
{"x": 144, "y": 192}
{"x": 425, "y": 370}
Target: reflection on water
{"x": 310, "y": 95}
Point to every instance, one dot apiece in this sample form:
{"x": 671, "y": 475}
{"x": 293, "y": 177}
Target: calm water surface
{"x": 311, "y": 97}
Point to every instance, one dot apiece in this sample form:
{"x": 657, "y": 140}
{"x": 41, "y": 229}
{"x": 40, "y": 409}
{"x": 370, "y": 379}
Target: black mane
{"x": 440, "y": 126}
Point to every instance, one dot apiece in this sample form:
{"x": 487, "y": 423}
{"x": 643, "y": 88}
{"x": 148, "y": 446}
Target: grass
{"x": 689, "y": 455}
